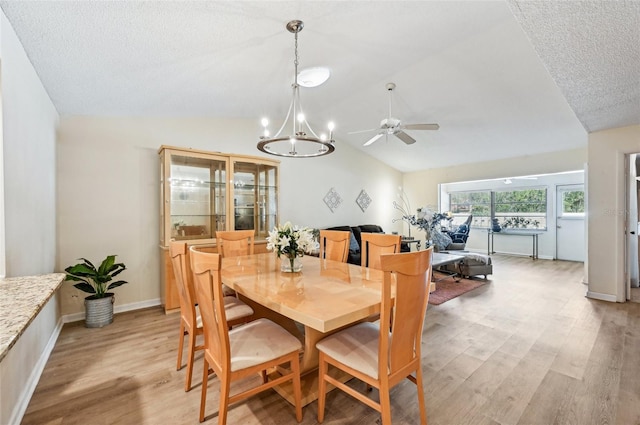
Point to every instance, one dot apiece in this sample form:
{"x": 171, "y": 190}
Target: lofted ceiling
{"x": 502, "y": 79}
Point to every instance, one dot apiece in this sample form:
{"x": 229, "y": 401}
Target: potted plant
{"x": 97, "y": 282}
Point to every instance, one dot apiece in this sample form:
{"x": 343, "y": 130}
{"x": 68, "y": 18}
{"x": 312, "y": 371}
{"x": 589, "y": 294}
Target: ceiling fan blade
{"x": 373, "y": 139}
{"x": 363, "y": 131}
{"x": 405, "y": 137}
{"x": 421, "y": 126}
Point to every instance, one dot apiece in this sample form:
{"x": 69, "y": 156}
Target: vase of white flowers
{"x": 290, "y": 242}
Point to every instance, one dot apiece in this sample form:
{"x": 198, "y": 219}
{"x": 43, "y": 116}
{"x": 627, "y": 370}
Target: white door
{"x": 570, "y": 222}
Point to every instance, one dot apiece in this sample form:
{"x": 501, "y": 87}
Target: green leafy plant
{"x": 96, "y": 281}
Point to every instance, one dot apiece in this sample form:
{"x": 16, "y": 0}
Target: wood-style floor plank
{"x": 527, "y": 348}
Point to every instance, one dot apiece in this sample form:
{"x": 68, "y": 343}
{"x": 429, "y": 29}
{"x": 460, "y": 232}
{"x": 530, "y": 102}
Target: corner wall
{"x": 28, "y": 138}
{"x": 606, "y": 210}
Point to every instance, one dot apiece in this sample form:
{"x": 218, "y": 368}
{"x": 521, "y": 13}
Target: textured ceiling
{"x": 473, "y": 67}
{"x": 592, "y": 51}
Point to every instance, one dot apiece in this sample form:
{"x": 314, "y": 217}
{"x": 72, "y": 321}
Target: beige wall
{"x": 28, "y": 145}
{"x": 422, "y": 186}
{"x": 108, "y": 192}
{"x": 606, "y": 209}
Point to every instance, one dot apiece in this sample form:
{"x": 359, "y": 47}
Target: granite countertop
{"x": 21, "y": 299}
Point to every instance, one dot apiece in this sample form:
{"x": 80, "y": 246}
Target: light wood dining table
{"x": 323, "y": 298}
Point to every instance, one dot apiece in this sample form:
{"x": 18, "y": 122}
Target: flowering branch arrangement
{"x": 290, "y": 241}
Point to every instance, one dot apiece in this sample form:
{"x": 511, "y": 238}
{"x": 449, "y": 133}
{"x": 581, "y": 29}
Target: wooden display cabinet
{"x": 204, "y": 192}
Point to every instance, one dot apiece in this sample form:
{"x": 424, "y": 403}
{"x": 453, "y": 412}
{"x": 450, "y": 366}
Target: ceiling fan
{"x": 395, "y": 127}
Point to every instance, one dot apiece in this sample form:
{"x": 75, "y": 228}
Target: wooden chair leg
{"x": 322, "y": 386}
{"x": 385, "y": 404}
{"x": 191, "y": 354}
{"x": 203, "y": 394}
{"x": 420, "y": 391}
{"x": 297, "y": 390}
{"x": 180, "y": 346}
{"x": 225, "y": 387}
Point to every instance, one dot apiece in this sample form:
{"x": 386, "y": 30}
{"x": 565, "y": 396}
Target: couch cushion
{"x": 370, "y": 228}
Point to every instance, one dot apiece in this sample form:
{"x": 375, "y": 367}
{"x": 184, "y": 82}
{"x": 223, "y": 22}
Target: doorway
{"x": 632, "y": 226}
{"x": 570, "y": 225}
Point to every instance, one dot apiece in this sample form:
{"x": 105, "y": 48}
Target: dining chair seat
{"x": 356, "y": 347}
{"x": 235, "y": 309}
{"x": 259, "y": 341}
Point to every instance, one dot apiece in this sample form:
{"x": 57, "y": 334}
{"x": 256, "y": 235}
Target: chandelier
{"x": 303, "y": 141}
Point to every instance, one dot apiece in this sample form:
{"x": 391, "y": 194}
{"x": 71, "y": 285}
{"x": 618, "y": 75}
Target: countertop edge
{"x": 21, "y": 300}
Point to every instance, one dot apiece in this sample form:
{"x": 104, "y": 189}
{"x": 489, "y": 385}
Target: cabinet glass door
{"x": 255, "y": 197}
{"x": 197, "y": 194}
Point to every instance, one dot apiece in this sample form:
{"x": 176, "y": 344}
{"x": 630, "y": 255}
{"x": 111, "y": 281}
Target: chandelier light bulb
{"x": 265, "y": 122}
{"x": 331, "y": 125}
{"x": 300, "y": 117}
{"x": 323, "y": 136}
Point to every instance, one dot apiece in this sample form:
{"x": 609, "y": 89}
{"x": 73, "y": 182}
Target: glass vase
{"x": 290, "y": 265}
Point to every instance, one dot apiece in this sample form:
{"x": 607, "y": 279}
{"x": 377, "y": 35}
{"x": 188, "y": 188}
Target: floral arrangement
{"x": 290, "y": 241}
{"x": 427, "y": 220}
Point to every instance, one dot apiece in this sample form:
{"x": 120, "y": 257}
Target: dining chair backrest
{"x": 411, "y": 273}
{"x": 207, "y": 281}
{"x": 233, "y": 243}
{"x": 376, "y": 244}
{"x": 186, "y": 293}
{"x": 334, "y": 245}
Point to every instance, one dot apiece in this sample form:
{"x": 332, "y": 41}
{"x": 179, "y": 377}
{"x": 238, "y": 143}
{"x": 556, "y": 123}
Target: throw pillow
{"x": 440, "y": 240}
{"x": 353, "y": 244}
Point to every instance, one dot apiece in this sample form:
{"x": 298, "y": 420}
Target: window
{"x": 573, "y": 203}
{"x": 514, "y": 209}
{"x": 478, "y": 203}
{"x": 521, "y": 209}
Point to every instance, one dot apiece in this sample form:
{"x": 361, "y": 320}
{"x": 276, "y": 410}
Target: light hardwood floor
{"x": 527, "y": 348}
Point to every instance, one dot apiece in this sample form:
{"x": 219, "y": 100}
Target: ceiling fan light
{"x": 313, "y": 77}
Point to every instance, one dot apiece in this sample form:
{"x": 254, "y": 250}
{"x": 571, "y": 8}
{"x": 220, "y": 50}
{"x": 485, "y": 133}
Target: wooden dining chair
{"x": 334, "y": 245}
{"x": 376, "y": 353}
{"x": 190, "y": 321}
{"x": 374, "y": 245}
{"x": 233, "y": 243}
{"x": 243, "y": 351}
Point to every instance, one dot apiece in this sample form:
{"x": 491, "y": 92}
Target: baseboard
{"x": 602, "y": 297}
{"x": 34, "y": 378}
{"x": 76, "y": 317}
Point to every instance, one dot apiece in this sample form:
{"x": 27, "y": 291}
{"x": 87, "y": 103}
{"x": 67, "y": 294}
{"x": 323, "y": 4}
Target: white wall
{"x": 109, "y": 188}
{"x": 606, "y": 210}
{"x": 422, "y": 186}
{"x": 29, "y": 122}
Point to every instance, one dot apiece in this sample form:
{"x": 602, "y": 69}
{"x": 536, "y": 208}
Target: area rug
{"x": 448, "y": 289}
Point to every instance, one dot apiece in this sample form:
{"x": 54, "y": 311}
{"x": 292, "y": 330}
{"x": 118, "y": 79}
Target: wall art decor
{"x": 363, "y": 200}
{"x": 332, "y": 199}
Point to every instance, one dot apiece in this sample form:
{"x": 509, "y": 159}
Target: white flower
{"x": 292, "y": 241}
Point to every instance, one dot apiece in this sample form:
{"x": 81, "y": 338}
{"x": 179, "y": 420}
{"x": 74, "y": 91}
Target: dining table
{"x": 324, "y": 297}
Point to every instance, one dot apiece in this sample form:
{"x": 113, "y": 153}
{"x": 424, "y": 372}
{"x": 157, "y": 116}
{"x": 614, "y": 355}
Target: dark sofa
{"x": 356, "y": 239}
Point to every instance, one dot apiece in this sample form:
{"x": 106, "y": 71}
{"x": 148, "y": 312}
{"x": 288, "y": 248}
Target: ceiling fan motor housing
{"x": 390, "y": 124}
